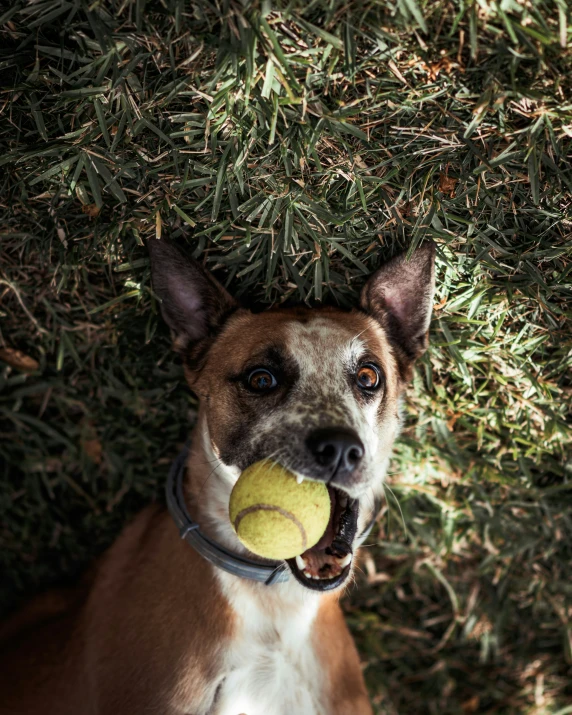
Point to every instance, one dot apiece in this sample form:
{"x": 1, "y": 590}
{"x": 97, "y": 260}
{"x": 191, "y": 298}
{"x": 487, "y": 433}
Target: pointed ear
{"x": 400, "y": 296}
{"x": 194, "y": 304}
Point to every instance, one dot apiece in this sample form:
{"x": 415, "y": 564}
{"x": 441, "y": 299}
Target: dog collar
{"x": 268, "y": 572}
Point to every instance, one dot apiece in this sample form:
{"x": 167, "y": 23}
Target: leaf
{"x": 61, "y": 167}
{"x": 101, "y": 119}
{"x": 91, "y": 210}
{"x": 93, "y": 449}
{"x": 93, "y": 182}
{"x": 414, "y": 9}
{"x": 323, "y": 34}
{"x": 221, "y": 175}
{"x": 280, "y": 56}
{"x": 115, "y": 301}
{"x": 18, "y": 360}
{"x": 268, "y": 78}
{"x": 110, "y": 181}
{"x": 348, "y": 128}
{"x": 186, "y": 218}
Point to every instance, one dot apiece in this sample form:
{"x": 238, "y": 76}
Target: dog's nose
{"x": 338, "y": 448}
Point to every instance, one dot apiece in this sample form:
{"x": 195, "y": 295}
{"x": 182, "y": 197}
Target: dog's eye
{"x": 368, "y": 377}
{"x": 261, "y": 381}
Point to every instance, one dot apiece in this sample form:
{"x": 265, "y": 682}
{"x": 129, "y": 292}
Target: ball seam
{"x": 271, "y": 507}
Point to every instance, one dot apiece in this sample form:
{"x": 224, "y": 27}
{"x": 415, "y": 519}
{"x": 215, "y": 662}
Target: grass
{"x": 294, "y": 146}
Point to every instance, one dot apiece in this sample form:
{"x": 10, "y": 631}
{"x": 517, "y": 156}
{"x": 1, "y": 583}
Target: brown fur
{"x": 150, "y": 628}
{"x": 337, "y": 650}
{"x": 146, "y": 638}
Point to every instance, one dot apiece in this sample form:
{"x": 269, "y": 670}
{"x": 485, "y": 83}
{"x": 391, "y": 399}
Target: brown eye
{"x": 261, "y": 381}
{"x": 367, "y": 377}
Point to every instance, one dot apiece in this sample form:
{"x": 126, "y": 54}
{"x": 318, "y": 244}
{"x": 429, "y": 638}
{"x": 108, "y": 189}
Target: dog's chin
{"x": 328, "y": 565}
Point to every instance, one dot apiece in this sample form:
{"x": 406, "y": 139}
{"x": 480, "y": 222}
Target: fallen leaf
{"x": 92, "y": 210}
{"x": 405, "y": 208}
{"x": 447, "y": 184}
{"x": 443, "y": 65}
{"x": 158, "y": 225}
{"x": 19, "y": 360}
{"x": 471, "y": 705}
{"x": 93, "y": 449}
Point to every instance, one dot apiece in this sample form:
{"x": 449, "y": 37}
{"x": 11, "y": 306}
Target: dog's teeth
{"x": 299, "y": 478}
{"x": 300, "y": 563}
{"x": 307, "y": 574}
{"x": 346, "y": 560}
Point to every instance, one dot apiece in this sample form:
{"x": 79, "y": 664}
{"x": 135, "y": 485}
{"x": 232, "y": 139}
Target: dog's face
{"x": 316, "y": 390}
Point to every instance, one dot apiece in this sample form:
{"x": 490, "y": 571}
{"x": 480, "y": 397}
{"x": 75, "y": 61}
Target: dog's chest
{"x": 271, "y": 666}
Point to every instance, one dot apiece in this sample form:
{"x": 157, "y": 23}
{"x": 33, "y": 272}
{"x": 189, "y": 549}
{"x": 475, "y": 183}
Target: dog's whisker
{"x": 390, "y": 490}
{"x": 207, "y": 479}
{"x": 208, "y": 461}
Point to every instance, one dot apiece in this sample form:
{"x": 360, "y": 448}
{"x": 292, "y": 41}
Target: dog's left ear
{"x": 194, "y": 304}
{"x": 400, "y": 296}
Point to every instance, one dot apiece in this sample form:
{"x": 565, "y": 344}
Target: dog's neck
{"x": 209, "y": 484}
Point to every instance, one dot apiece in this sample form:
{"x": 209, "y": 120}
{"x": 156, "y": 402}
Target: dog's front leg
{"x": 337, "y": 652}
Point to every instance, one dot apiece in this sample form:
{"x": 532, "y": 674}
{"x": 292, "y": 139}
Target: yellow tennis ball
{"x": 273, "y": 515}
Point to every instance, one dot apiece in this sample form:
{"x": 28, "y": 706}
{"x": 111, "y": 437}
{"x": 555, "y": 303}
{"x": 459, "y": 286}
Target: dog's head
{"x": 316, "y": 389}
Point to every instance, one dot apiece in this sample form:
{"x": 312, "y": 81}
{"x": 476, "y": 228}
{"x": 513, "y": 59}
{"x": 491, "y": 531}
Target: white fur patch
{"x": 325, "y": 353}
{"x": 271, "y": 666}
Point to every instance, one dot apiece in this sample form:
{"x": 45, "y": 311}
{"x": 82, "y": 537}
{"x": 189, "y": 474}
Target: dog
{"x": 197, "y": 625}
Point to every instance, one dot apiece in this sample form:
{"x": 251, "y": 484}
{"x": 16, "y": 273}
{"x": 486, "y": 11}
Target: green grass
{"x": 293, "y": 150}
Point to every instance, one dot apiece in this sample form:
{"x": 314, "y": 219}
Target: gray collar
{"x": 267, "y": 572}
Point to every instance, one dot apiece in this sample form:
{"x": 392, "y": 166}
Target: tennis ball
{"x": 273, "y": 515}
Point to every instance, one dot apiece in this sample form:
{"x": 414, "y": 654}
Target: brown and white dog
{"x": 158, "y": 629}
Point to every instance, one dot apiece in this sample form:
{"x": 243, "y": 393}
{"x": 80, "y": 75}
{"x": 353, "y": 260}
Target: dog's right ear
{"x": 400, "y": 296}
{"x": 193, "y": 303}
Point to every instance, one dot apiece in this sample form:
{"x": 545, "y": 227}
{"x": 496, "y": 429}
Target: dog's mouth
{"x": 327, "y": 565}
